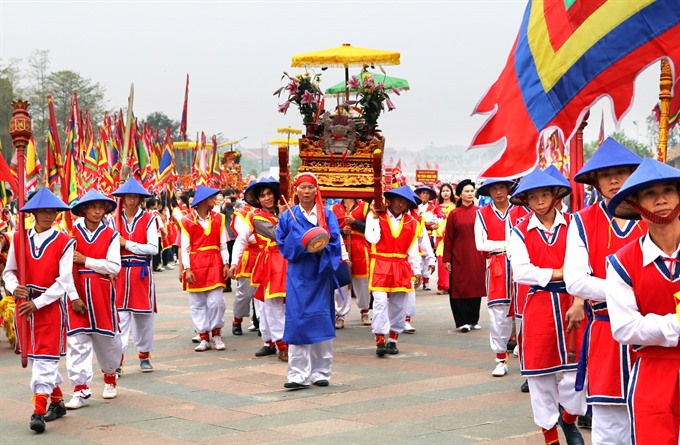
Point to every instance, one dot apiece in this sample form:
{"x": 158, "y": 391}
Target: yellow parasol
{"x": 289, "y": 130}
{"x": 346, "y": 56}
{"x": 284, "y": 142}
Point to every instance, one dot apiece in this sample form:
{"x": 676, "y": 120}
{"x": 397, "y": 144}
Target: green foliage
{"x": 295, "y": 164}
{"x": 36, "y": 93}
{"x": 63, "y": 84}
{"x": 653, "y": 132}
{"x": 6, "y": 97}
{"x": 620, "y": 136}
{"x": 160, "y": 121}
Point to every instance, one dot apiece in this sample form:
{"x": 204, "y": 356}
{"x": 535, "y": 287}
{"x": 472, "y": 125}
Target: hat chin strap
{"x": 653, "y": 217}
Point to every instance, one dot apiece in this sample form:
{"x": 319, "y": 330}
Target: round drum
{"x": 315, "y": 239}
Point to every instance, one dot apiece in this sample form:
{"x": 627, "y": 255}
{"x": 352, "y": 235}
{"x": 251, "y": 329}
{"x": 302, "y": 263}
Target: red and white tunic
{"x": 359, "y": 247}
{"x": 534, "y": 253}
{"x": 393, "y": 254}
{"x": 491, "y": 237}
{"x": 49, "y": 278}
{"x": 592, "y": 236}
{"x": 206, "y": 247}
{"x": 93, "y": 283}
{"x": 135, "y": 288}
{"x": 269, "y": 273}
{"x": 245, "y": 250}
{"x": 641, "y": 283}
{"x": 519, "y": 291}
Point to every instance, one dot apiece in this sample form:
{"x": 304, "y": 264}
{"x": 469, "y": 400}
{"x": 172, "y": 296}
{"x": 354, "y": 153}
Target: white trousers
{"x": 424, "y": 266}
{"x": 411, "y": 304}
{"x": 142, "y": 330}
{"x": 343, "y": 303}
{"x": 389, "y": 314}
{"x": 500, "y": 327}
{"x": 611, "y": 425}
{"x": 81, "y": 350}
{"x": 550, "y": 391}
{"x": 360, "y": 286}
{"x": 207, "y": 310}
{"x": 308, "y": 364}
{"x": 44, "y": 376}
{"x": 272, "y": 316}
{"x": 243, "y": 297}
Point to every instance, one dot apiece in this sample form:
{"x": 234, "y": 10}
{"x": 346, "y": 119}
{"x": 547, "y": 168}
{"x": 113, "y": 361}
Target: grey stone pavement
{"x": 439, "y": 389}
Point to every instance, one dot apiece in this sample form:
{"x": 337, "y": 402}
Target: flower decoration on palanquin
{"x": 303, "y": 91}
{"x": 371, "y": 97}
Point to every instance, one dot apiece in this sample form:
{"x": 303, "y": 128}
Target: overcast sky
{"x": 235, "y": 53}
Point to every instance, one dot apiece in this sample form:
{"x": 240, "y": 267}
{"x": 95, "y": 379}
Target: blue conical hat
{"x": 131, "y": 187}
{"x": 535, "y": 180}
{"x": 427, "y": 189}
{"x": 92, "y": 196}
{"x": 555, "y": 173}
{"x": 203, "y": 193}
{"x": 417, "y": 198}
{"x": 403, "y": 192}
{"x": 649, "y": 173}
{"x": 253, "y": 191}
{"x": 610, "y": 154}
{"x": 483, "y": 189}
{"x": 44, "y": 199}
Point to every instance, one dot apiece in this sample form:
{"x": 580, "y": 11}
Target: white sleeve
{"x": 628, "y": 325}
{"x": 109, "y": 265}
{"x": 482, "y": 241}
{"x": 426, "y": 248}
{"x": 243, "y": 230}
{"x": 64, "y": 284}
{"x": 9, "y": 275}
{"x": 372, "y": 233}
{"x": 415, "y": 259}
{"x": 151, "y": 246}
{"x": 343, "y": 249}
{"x": 522, "y": 270}
{"x": 578, "y": 274}
{"x": 224, "y": 247}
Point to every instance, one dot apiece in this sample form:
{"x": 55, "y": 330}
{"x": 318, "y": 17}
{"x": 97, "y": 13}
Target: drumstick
{"x": 289, "y": 209}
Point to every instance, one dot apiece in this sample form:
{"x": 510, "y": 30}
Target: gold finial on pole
{"x": 665, "y": 88}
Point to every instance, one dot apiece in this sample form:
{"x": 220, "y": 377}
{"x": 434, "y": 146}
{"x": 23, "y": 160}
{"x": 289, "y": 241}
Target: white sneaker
{"x": 500, "y": 370}
{"x": 80, "y": 399}
{"x": 217, "y": 343}
{"x": 196, "y": 339}
{"x": 169, "y": 267}
{"x": 476, "y": 327}
{"x": 109, "y": 391}
{"x": 202, "y": 346}
{"x": 465, "y": 328}
{"x": 515, "y": 351}
{"x": 408, "y": 329}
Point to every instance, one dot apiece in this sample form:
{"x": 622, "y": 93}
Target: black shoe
{"x": 38, "y": 423}
{"x": 381, "y": 349}
{"x": 511, "y": 345}
{"x": 236, "y": 329}
{"x": 321, "y": 383}
{"x": 293, "y": 385}
{"x": 571, "y": 432}
{"x": 265, "y": 351}
{"x": 55, "y": 411}
{"x": 525, "y": 386}
{"x": 392, "y": 348}
{"x": 227, "y": 289}
{"x": 585, "y": 421}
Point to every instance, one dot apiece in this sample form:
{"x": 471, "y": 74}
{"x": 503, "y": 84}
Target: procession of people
{"x": 578, "y": 292}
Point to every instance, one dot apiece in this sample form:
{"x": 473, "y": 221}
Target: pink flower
{"x": 396, "y": 91}
{"x": 353, "y": 82}
{"x": 390, "y": 105}
{"x": 369, "y": 82}
{"x": 292, "y": 87}
{"x": 284, "y": 107}
{"x": 308, "y": 98}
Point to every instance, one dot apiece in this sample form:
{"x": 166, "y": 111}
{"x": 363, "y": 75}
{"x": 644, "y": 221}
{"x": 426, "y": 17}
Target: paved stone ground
{"x": 439, "y": 389}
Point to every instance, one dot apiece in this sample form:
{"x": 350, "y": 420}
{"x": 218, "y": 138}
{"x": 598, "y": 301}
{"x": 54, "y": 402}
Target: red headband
{"x": 306, "y": 177}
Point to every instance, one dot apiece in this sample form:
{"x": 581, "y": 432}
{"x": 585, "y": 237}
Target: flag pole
{"x": 665, "y": 87}
{"x": 20, "y": 130}
{"x": 125, "y": 169}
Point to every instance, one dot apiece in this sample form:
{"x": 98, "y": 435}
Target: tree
{"x": 37, "y": 92}
{"x": 160, "y": 121}
{"x": 295, "y": 164}
{"x": 6, "y": 95}
{"x": 653, "y": 132}
{"x": 620, "y": 136}
{"x": 63, "y": 84}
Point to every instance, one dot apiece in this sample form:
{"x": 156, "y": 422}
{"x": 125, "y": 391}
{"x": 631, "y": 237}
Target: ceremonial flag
{"x": 214, "y": 165}
{"x": 32, "y": 166}
{"x": 600, "y": 138}
{"x": 166, "y": 168}
{"x": 54, "y": 168}
{"x": 6, "y": 174}
{"x": 183, "y": 123}
{"x": 91, "y": 158}
{"x": 567, "y": 55}
{"x": 144, "y": 144}
{"x": 71, "y": 183}
{"x": 674, "y": 110}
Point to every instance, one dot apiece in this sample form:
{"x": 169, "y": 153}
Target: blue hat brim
{"x": 538, "y": 179}
{"x": 432, "y": 193}
{"x": 649, "y": 173}
{"x": 609, "y": 154}
{"x": 202, "y": 193}
{"x": 255, "y": 188}
{"x": 44, "y": 199}
{"x": 483, "y": 189}
{"x": 132, "y": 187}
{"x": 93, "y": 196}
{"x": 403, "y": 192}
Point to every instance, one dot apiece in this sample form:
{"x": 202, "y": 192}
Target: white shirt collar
{"x": 312, "y": 212}
{"x": 396, "y": 218}
{"x": 651, "y": 251}
{"x": 535, "y": 223}
{"x": 40, "y": 236}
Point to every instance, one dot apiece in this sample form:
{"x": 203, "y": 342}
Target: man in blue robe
{"x": 310, "y": 307}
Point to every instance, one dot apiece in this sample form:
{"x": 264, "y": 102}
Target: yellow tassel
{"x": 7, "y": 313}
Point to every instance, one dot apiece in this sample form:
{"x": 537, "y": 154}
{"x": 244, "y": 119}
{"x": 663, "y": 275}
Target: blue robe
{"x": 310, "y": 308}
